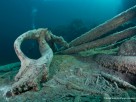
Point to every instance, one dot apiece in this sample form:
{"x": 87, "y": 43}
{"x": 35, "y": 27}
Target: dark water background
{"x": 69, "y": 18}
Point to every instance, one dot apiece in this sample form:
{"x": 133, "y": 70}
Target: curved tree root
{"x": 33, "y": 72}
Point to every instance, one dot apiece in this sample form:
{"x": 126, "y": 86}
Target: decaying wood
{"x": 105, "y": 27}
{"x": 125, "y": 64}
{"x": 34, "y": 71}
{"x": 10, "y": 67}
{"x": 103, "y": 41}
{"x": 128, "y": 48}
{"x": 118, "y": 80}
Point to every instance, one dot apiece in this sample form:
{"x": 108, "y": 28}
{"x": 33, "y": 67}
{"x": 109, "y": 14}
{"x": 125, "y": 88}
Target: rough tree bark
{"x": 105, "y": 27}
{"x": 124, "y": 62}
{"x": 127, "y": 48}
{"x": 103, "y": 41}
{"x": 33, "y": 72}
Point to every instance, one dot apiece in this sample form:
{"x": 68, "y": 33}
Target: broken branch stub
{"x": 32, "y": 71}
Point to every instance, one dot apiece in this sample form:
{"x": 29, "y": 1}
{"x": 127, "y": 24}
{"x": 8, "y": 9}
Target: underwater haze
{"x": 68, "y": 18}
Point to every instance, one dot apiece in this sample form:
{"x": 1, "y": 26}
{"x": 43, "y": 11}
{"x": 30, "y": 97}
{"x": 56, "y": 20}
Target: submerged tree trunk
{"x": 103, "y": 41}
{"x": 105, "y": 27}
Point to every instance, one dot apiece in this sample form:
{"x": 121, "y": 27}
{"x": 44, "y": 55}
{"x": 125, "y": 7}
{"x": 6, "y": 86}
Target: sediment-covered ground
{"x": 74, "y": 79}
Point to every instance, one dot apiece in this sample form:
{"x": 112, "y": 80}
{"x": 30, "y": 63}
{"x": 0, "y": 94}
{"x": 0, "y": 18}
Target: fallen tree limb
{"x": 118, "y": 80}
{"x": 59, "y": 40}
{"x": 120, "y": 63}
{"x": 128, "y": 48}
{"x": 103, "y": 41}
{"x": 105, "y": 27}
{"x": 124, "y": 62}
{"x": 10, "y": 67}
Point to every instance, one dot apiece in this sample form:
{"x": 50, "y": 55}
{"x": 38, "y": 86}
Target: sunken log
{"x": 103, "y": 41}
{"x": 105, "y": 27}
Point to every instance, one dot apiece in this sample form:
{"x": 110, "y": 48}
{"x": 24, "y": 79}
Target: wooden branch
{"x": 100, "y": 42}
{"x": 10, "y": 67}
{"x": 118, "y": 80}
{"x": 119, "y": 63}
{"x": 105, "y": 27}
{"x": 59, "y": 40}
{"x": 32, "y": 71}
